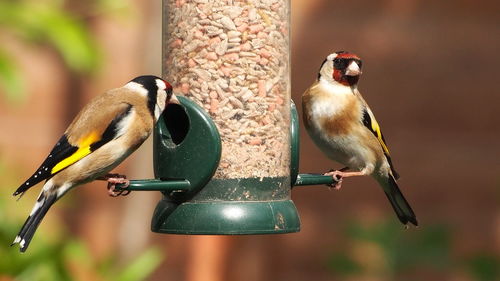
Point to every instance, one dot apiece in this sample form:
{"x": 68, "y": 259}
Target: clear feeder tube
{"x": 233, "y": 59}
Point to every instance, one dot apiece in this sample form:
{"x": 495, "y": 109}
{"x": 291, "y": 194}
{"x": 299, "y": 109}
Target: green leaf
{"x": 71, "y": 39}
{"x": 403, "y": 250}
{"x": 142, "y": 266}
{"x": 484, "y": 267}
{"x": 113, "y": 7}
{"x": 51, "y": 25}
{"x": 343, "y": 265}
{"x": 11, "y": 82}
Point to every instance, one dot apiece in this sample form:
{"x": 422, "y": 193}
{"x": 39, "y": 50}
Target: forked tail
{"x": 398, "y": 201}
{"x": 42, "y": 205}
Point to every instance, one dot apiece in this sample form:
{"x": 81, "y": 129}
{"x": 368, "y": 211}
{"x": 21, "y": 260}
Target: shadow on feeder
{"x": 187, "y": 150}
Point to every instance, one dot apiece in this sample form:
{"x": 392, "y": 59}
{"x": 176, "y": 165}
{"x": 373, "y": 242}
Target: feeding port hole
{"x": 177, "y": 122}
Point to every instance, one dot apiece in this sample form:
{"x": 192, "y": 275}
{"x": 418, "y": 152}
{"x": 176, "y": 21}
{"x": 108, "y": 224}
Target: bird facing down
{"x": 106, "y": 131}
{"x": 342, "y": 125}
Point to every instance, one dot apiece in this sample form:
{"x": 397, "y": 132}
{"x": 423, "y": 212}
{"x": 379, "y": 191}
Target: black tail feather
{"x": 28, "y": 230}
{"x": 399, "y": 203}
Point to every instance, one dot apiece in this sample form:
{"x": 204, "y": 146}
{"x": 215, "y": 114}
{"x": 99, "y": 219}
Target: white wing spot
{"x": 35, "y": 176}
{"x": 27, "y": 183}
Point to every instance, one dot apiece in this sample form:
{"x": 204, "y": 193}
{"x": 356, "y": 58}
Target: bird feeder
{"x": 226, "y": 158}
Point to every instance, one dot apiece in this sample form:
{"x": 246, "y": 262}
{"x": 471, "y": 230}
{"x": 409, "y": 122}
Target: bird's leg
{"x": 113, "y": 180}
{"x": 338, "y": 175}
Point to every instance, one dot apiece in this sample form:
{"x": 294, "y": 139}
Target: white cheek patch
{"x": 158, "y": 112}
{"x": 136, "y": 87}
{"x": 331, "y": 57}
{"x": 161, "y": 99}
{"x": 160, "y": 84}
{"x": 326, "y": 72}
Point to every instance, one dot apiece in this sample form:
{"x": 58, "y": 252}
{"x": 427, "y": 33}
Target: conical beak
{"x": 353, "y": 69}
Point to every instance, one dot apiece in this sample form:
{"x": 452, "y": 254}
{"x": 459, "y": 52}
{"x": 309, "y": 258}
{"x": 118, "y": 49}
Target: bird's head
{"x": 158, "y": 91}
{"x": 341, "y": 67}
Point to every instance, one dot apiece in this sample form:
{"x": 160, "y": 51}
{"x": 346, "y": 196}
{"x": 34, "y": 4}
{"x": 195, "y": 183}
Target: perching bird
{"x": 342, "y": 125}
{"x": 103, "y": 134}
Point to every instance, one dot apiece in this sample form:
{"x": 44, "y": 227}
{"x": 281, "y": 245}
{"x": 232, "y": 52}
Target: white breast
{"x": 345, "y": 149}
{"x": 333, "y": 100}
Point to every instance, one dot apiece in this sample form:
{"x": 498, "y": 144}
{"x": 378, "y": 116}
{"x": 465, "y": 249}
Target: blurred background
{"x": 428, "y": 71}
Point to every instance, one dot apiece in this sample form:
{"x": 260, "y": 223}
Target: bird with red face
{"x": 341, "y": 124}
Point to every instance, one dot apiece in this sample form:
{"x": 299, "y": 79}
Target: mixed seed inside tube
{"x": 232, "y": 58}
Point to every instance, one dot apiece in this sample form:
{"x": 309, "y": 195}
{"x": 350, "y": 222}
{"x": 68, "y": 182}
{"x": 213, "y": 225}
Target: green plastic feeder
{"x": 191, "y": 151}
{"x": 229, "y": 171}
{"x": 187, "y": 150}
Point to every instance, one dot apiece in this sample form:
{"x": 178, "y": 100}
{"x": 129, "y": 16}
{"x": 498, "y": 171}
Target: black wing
{"x": 372, "y": 125}
{"x": 112, "y": 130}
{"x": 61, "y": 151}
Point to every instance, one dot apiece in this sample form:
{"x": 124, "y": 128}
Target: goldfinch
{"x": 102, "y": 135}
{"x": 342, "y": 125}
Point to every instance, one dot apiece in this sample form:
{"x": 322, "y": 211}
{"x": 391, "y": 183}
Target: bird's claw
{"x": 337, "y": 178}
{"x": 115, "y": 179}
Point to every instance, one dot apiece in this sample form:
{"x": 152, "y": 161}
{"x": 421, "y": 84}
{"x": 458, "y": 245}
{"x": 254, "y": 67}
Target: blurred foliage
{"x": 484, "y": 267}
{"x": 54, "y": 254}
{"x": 50, "y": 23}
{"x": 63, "y": 26}
{"x": 385, "y": 251}
{"x": 10, "y": 78}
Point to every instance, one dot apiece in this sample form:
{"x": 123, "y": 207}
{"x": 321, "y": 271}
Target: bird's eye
{"x": 360, "y": 63}
{"x": 339, "y": 63}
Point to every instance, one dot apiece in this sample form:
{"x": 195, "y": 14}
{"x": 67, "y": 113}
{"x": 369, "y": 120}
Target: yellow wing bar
{"x": 372, "y": 125}
{"x": 378, "y": 133}
{"x": 83, "y": 150}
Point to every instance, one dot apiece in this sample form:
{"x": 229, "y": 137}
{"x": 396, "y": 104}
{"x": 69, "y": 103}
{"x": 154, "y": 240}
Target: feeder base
{"x": 226, "y": 217}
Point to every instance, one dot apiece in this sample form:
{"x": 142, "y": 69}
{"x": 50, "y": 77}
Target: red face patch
{"x": 169, "y": 87}
{"x": 340, "y": 64}
{"x": 337, "y": 75}
{"x": 346, "y": 55}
